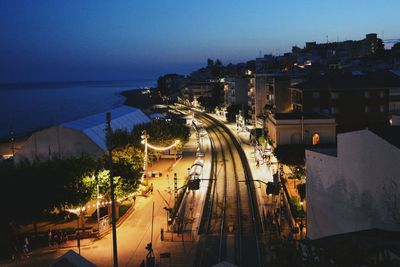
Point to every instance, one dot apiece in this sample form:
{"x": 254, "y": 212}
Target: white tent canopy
{"x": 82, "y": 136}
{"x": 94, "y": 126}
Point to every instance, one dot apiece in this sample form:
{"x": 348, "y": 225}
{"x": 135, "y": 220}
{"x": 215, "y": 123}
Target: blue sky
{"x": 45, "y": 40}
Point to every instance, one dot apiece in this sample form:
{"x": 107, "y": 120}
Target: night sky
{"x": 116, "y": 40}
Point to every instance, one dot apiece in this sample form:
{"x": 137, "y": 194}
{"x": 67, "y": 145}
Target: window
{"x": 382, "y": 108}
{"x": 315, "y": 95}
{"x": 382, "y": 94}
{"x": 366, "y": 94}
{"x": 334, "y": 95}
{"x": 367, "y": 109}
{"x": 315, "y": 139}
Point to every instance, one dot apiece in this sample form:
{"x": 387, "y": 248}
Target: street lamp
{"x": 144, "y": 137}
{"x": 97, "y": 199}
{"x": 113, "y": 220}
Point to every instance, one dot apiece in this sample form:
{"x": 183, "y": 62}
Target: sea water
{"x": 25, "y": 108}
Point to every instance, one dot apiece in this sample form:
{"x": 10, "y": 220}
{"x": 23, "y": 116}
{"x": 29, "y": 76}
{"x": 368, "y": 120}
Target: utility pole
{"x": 113, "y": 221}
{"x": 144, "y": 141}
{"x": 176, "y": 187}
{"x": 97, "y": 199}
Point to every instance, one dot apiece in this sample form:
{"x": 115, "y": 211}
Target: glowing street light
{"x": 144, "y": 141}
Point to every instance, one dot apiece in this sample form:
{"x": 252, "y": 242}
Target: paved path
{"x": 134, "y": 234}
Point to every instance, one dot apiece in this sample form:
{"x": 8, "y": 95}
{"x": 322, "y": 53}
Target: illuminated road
{"x": 135, "y": 232}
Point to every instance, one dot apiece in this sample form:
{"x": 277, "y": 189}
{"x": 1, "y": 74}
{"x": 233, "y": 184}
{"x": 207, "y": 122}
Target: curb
{"x": 119, "y": 221}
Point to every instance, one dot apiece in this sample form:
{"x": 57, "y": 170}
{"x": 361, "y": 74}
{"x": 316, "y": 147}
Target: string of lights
{"x": 78, "y": 210}
{"x": 163, "y": 148}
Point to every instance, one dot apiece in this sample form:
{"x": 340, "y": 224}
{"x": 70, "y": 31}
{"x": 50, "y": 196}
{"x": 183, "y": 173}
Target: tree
{"x": 33, "y": 190}
{"x": 290, "y": 154}
{"x": 120, "y": 138}
{"x": 234, "y": 109}
{"x": 210, "y": 63}
{"x": 216, "y": 70}
{"x": 162, "y": 133}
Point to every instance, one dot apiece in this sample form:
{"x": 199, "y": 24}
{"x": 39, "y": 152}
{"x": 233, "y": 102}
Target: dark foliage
{"x": 32, "y": 189}
{"x": 165, "y": 131}
{"x": 234, "y": 110}
{"x": 290, "y": 154}
{"x": 302, "y": 191}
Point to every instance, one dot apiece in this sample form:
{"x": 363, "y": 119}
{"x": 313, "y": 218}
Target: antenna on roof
{"x": 259, "y": 53}
{"x": 327, "y": 40}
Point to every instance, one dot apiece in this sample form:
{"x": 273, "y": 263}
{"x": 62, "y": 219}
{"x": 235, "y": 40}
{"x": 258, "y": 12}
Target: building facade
{"x": 354, "y": 101}
{"x": 300, "y": 128}
{"x": 355, "y": 186}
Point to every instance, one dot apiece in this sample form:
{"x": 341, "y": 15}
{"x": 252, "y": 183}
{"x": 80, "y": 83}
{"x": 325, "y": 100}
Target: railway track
{"x": 231, "y": 227}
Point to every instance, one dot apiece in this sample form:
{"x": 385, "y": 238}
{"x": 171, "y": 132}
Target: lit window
{"x": 334, "y": 95}
{"x": 315, "y": 139}
{"x": 315, "y": 95}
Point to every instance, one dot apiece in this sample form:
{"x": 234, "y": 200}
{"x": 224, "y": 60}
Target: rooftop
{"x": 94, "y": 126}
{"x": 340, "y": 81}
{"x": 330, "y": 151}
{"x": 300, "y": 115}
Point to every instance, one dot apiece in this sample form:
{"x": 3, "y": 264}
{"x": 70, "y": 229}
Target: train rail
{"x": 231, "y": 225}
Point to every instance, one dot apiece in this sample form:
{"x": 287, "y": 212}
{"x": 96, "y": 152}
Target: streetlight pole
{"x": 98, "y": 206}
{"x": 113, "y": 220}
{"x": 144, "y": 141}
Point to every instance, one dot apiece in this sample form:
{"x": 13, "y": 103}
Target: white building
{"x": 300, "y": 128}
{"x": 82, "y": 136}
{"x": 355, "y": 186}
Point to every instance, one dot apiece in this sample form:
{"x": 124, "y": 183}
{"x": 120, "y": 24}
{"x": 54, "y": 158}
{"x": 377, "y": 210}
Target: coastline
{"x": 142, "y": 98}
{"x": 133, "y": 98}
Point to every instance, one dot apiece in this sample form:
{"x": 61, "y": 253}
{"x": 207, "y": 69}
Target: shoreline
{"x": 133, "y": 98}
{"x": 142, "y": 98}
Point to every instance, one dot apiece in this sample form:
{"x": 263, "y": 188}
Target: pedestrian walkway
{"x": 178, "y": 247}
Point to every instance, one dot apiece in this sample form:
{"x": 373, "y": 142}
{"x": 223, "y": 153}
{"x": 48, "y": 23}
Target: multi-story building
{"x": 315, "y": 53}
{"x": 301, "y": 128}
{"x": 169, "y": 84}
{"x": 262, "y": 94}
{"x": 279, "y": 99}
{"x": 355, "y": 101}
{"x": 193, "y": 90}
{"x": 242, "y": 87}
{"x": 252, "y": 101}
